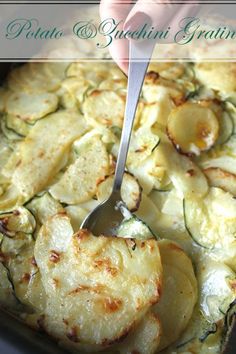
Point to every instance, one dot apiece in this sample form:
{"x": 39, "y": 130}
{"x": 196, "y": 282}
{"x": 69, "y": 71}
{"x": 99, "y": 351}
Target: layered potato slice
{"x": 15, "y": 124}
{"x": 8, "y": 299}
{"x": 79, "y": 183}
{"x": 94, "y": 74}
{"x": 104, "y": 107}
{"x": 39, "y": 155}
{"x": 98, "y": 288}
{"x": 179, "y": 293}
{"x": 218, "y": 76}
{"x": 217, "y": 289}
{"x": 185, "y": 175}
{"x": 144, "y": 339}
{"x": 25, "y": 276}
{"x": 30, "y": 107}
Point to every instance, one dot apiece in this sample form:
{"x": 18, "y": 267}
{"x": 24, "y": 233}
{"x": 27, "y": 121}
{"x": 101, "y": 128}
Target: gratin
{"x": 173, "y": 290}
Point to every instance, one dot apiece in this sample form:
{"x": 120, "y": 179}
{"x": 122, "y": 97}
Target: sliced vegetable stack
{"x": 167, "y": 282}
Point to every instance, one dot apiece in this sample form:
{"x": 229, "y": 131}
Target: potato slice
{"x": 131, "y": 192}
{"x": 199, "y": 122}
{"x": 31, "y": 107}
{"x": 179, "y": 293}
{"x": 218, "y": 177}
{"x": 104, "y": 108}
{"x": 40, "y": 154}
{"x": 217, "y": 289}
{"x": 17, "y": 125}
{"x": 218, "y": 76}
{"x": 88, "y": 279}
{"x": 114, "y": 85}
{"x": 21, "y": 220}
{"x": 37, "y": 77}
{"x": 79, "y": 183}
{"x": 211, "y": 221}
{"x": 177, "y": 258}
{"x": 153, "y": 81}
{"x": 144, "y": 339}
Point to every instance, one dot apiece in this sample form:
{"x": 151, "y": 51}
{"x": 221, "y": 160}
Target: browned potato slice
{"x": 131, "y": 192}
{"x": 79, "y": 183}
{"x": 104, "y": 107}
{"x": 95, "y": 280}
{"x": 192, "y": 128}
{"x": 218, "y": 177}
{"x": 4, "y": 93}
{"x": 179, "y": 292}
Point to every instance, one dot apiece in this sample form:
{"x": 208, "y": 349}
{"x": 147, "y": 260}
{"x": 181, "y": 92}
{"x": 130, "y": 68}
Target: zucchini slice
{"x": 114, "y": 85}
{"x": 40, "y": 154}
{"x": 31, "y": 107}
{"x": 222, "y": 179}
{"x": 192, "y": 128}
{"x": 185, "y": 175}
{"x": 26, "y": 279}
{"x": 211, "y": 222}
{"x": 145, "y": 337}
{"x": 37, "y": 77}
{"x": 79, "y": 183}
{"x": 131, "y": 192}
{"x": 20, "y": 220}
{"x": 226, "y": 128}
{"x": 17, "y": 125}
{"x": 43, "y": 207}
{"x": 179, "y": 292}
{"x": 143, "y": 143}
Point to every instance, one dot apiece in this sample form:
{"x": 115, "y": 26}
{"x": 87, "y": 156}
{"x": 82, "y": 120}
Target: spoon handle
{"x": 139, "y": 54}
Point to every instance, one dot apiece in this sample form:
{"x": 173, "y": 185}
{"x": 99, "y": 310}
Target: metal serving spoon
{"x": 105, "y": 218}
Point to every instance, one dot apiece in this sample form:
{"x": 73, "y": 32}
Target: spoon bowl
{"x": 105, "y": 218}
